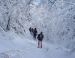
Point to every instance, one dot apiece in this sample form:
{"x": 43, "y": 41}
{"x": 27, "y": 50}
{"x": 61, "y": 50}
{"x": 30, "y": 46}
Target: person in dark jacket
{"x": 40, "y": 38}
{"x": 34, "y": 33}
{"x": 31, "y": 30}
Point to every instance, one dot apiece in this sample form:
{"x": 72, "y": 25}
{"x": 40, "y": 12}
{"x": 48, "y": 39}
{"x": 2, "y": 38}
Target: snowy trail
{"x": 26, "y": 48}
{"x": 29, "y": 49}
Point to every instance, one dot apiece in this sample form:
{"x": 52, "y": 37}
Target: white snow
{"x": 55, "y": 18}
{"x": 27, "y": 48}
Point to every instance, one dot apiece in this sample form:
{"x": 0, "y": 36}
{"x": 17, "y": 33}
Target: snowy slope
{"x": 56, "y": 18}
{"x": 25, "y": 48}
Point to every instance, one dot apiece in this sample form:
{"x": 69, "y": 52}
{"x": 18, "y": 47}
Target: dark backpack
{"x": 40, "y": 37}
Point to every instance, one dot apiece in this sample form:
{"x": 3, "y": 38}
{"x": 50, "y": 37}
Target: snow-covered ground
{"x": 55, "y": 18}
{"x": 27, "y": 48}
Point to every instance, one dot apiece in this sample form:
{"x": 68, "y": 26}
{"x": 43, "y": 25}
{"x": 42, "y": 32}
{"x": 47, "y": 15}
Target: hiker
{"x": 40, "y": 38}
{"x": 34, "y": 33}
{"x": 31, "y": 30}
